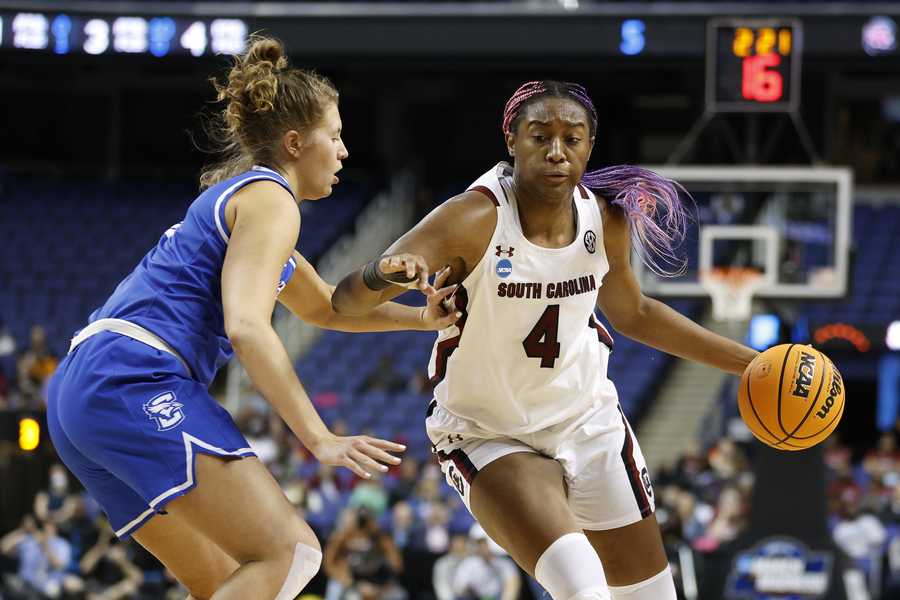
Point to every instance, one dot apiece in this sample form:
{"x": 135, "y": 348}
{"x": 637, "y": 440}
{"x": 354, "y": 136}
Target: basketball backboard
{"x": 790, "y": 223}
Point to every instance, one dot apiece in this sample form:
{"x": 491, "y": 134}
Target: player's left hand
{"x": 440, "y": 313}
{"x": 361, "y": 454}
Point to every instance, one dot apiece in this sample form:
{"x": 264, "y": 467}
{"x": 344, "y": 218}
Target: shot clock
{"x": 753, "y": 65}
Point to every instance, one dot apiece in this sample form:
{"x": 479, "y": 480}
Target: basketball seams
{"x": 838, "y": 414}
{"x": 814, "y": 401}
{"x": 787, "y": 355}
{"x": 756, "y": 414}
{"x": 828, "y": 429}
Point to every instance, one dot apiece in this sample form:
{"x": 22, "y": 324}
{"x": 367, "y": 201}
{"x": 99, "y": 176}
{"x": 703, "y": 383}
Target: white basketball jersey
{"x": 528, "y": 352}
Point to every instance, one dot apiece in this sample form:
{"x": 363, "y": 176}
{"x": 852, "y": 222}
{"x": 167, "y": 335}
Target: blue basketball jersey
{"x": 175, "y": 291}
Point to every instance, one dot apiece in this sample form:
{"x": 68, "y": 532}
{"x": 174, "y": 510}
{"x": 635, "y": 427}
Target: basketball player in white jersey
{"x": 525, "y": 422}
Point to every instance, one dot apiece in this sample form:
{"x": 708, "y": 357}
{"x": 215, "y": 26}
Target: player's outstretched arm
{"x": 651, "y": 322}
{"x": 455, "y": 233}
{"x": 309, "y": 298}
{"x": 266, "y": 222}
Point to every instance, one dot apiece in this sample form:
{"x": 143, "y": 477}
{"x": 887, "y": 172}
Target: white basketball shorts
{"x": 607, "y": 478}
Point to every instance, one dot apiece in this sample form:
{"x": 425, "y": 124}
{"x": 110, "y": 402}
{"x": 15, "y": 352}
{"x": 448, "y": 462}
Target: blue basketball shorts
{"x": 128, "y": 420}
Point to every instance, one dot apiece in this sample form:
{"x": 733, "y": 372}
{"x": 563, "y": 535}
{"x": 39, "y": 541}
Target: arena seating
{"x": 65, "y": 245}
{"x": 874, "y": 283}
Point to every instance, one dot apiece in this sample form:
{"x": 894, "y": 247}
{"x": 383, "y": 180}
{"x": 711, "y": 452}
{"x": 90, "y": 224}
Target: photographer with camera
{"x": 362, "y": 562}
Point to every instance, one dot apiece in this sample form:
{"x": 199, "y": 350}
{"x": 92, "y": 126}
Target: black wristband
{"x": 373, "y": 277}
{"x": 376, "y": 281}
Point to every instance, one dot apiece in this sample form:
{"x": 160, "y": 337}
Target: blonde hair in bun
{"x": 264, "y": 98}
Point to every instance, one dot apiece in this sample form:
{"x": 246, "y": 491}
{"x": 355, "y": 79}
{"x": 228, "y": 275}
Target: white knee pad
{"x": 571, "y": 570}
{"x": 659, "y": 587}
{"x": 303, "y": 568}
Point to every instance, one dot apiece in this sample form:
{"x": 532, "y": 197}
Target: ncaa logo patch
{"x": 504, "y": 268}
{"x": 590, "y": 241}
{"x": 165, "y": 410}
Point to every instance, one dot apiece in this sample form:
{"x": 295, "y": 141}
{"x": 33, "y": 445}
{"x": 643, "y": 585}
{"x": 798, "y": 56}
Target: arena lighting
{"x": 842, "y": 331}
{"x": 29, "y": 434}
{"x": 764, "y": 331}
{"x": 879, "y": 36}
{"x": 892, "y": 339}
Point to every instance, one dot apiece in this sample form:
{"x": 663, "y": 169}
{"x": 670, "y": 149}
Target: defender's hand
{"x": 439, "y": 312}
{"x": 361, "y": 454}
{"x": 409, "y": 270}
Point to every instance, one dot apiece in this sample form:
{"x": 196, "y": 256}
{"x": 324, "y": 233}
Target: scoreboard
{"x": 67, "y": 33}
{"x": 753, "y": 65}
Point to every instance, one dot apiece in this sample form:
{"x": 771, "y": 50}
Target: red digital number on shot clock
{"x": 758, "y": 82}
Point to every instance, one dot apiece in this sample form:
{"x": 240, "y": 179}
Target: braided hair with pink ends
{"x": 650, "y": 201}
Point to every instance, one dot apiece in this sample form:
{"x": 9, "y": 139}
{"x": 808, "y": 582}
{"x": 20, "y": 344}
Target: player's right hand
{"x": 361, "y": 454}
{"x": 412, "y": 267}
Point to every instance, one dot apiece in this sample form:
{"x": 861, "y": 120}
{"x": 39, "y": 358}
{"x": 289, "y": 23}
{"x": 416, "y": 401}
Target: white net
{"x": 732, "y": 290}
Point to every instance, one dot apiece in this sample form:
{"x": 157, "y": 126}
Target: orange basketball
{"x": 791, "y": 397}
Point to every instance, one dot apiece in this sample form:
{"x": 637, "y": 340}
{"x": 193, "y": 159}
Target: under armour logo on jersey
{"x": 590, "y": 241}
{"x": 500, "y": 251}
{"x": 165, "y": 410}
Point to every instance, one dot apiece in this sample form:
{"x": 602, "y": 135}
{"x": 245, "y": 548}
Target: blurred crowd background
{"x": 99, "y": 155}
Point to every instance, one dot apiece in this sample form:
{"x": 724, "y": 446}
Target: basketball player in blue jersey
{"x": 524, "y": 421}
{"x": 128, "y": 408}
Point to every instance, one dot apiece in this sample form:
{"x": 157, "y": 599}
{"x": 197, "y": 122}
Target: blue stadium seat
{"x": 66, "y": 245}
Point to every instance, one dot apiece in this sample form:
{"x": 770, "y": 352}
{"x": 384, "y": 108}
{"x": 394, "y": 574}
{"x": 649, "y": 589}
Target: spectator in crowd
{"x": 486, "y": 575}
{"x": 35, "y": 367}
{"x": 729, "y": 520}
{"x": 7, "y": 364}
{"x": 405, "y": 528}
{"x": 55, "y": 503}
{"x": 82, "y": 529}
{"x": 892, "y": 574}
{"x": 727, "y": 461}
{"x": 692, "y": 515}
{"x": 837, "y": 456}
{"x": 385, "y": 377}
{"x": 371, "y": 495}
{"x": 858, "y": 534}
{"x": 428, "y": 490}
{"x": 255, "y": 425}
{"x": 890, "y": 516}
{"x": 841, "y": 482}
{"x": 444, "y": 572}
{"x": 692, "y": 468}
{"x": 43, "y": 557}
{"x": 436, "y": 536}
{"x": 7, "y": 343}
{"x": 884, "y": 460}
{"x": 407, "y": 480}
{"x": 327, "y": 484}
{"x": 419, "y": 383}
{"x": 362, "y": 561}
{"x": 110, "y": 573}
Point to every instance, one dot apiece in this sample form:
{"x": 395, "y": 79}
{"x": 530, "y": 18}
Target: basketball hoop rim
{"x": 737, "y": 275}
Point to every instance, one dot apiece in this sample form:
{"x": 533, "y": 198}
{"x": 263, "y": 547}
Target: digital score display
{"x": 753, "y": 65}
{"x": 64, "y": 33}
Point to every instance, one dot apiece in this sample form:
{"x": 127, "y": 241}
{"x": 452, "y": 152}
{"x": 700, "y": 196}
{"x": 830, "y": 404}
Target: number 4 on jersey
{"x": 542, "y": 341}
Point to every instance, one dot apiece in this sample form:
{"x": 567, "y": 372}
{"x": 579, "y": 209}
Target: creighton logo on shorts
{"x": 165, "y": 410}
